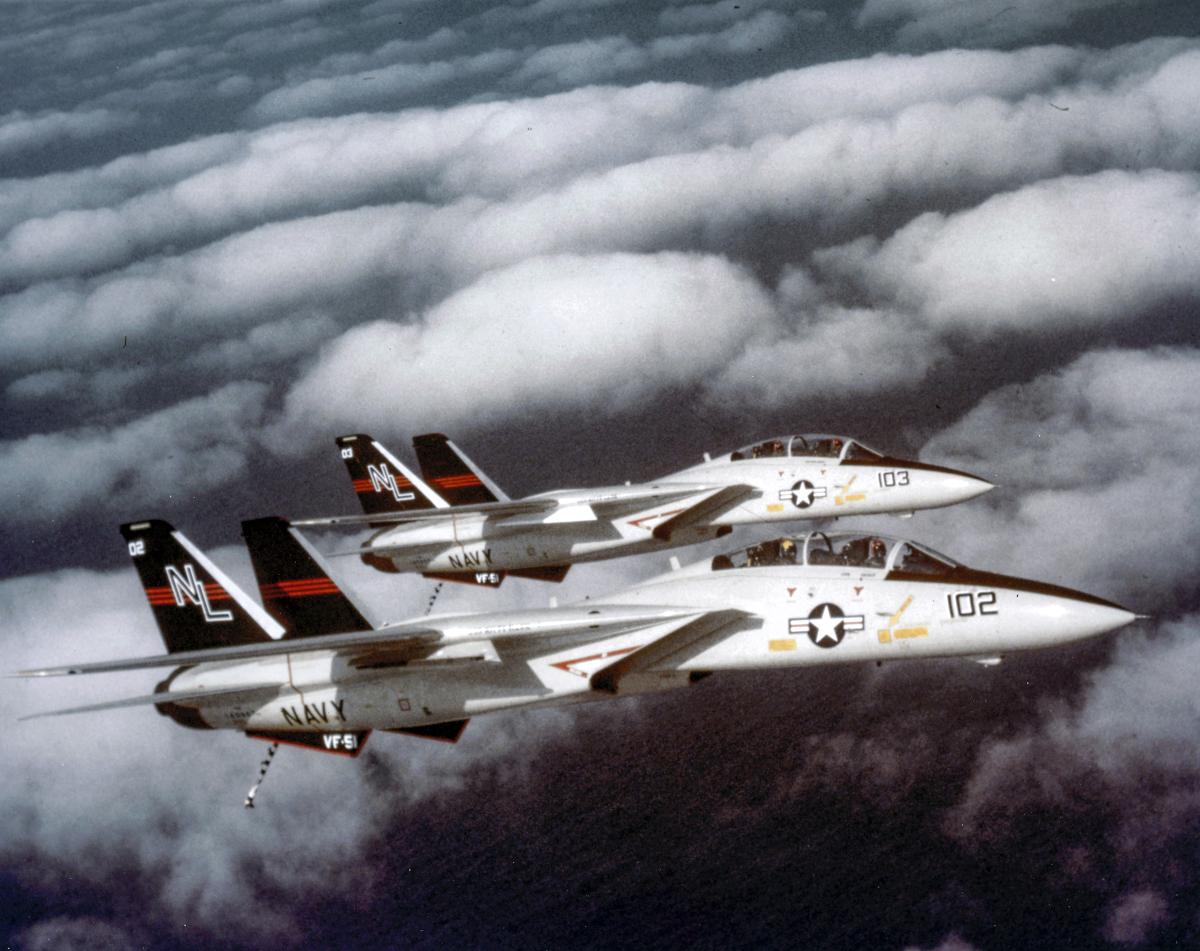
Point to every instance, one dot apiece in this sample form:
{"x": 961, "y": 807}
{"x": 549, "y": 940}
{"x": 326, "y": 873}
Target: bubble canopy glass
{"x": 808, "y": 446}
{"x": 840, "y": 550}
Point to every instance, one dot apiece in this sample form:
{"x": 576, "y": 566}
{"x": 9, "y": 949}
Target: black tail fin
{"x": 195, "y": 603}
{"x": 295, "y": 584}
{"x": 448, "y": 469}
{"x": 383, "y": 483}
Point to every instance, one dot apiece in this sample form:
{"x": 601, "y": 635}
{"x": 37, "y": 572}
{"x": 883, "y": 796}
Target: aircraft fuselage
{"x": 793, "y": 616}
{"x": 786, "y": 489}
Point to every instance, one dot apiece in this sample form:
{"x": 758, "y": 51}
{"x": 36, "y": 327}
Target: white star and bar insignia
{"x": 802, "y": 494}
{"x": 826, "y": 624}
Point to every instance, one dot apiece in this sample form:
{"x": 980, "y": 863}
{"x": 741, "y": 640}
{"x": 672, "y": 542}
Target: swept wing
{"x": 400, "y": 641}
{"x": 711, "y": 501}
{"x": 500, "y": 509}
{"x": 186, "y": 697}
{"x": 688, "y": 638}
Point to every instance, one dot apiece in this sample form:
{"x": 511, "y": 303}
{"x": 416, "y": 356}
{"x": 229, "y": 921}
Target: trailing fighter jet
{"x": 457, "y": 524}
{"x": 821, "y": 598}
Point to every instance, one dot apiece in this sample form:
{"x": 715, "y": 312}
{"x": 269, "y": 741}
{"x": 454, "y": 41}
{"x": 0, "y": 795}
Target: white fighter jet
{"x": 315, "y": 672}
{"x": 457, "y": 524}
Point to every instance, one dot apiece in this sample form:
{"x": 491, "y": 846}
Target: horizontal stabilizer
{"x": 449, "y": 732}
{"x": 187, "y": 698}
{"x": 340, "y": 744}
{"x": 704, "y": 510}
{"x": 693, "y": 634}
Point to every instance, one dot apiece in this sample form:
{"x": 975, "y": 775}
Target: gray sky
{"x": 591, "y": 240}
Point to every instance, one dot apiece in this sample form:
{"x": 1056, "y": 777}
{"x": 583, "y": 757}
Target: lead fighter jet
{"x": 457, "y": 524}
{"x": 332, "y": 677}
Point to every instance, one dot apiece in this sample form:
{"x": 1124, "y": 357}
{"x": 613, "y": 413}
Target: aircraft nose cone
{"x": 1102, "y": 618}
{"x": 969, "y": 487}
{"x": 951, "y": 488}
{"x": 1071, "y": 617}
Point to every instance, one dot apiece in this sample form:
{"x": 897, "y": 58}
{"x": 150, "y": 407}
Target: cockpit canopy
{"x": 840, "y": 549}
{"x": 810, "y": 446}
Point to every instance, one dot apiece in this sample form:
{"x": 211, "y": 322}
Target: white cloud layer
{"x": 848, "y": 132}
{"x": 1095, "y": 464}
{"x": 1063, "y": 252}
{"x": 549, "y": 333}
{"x": 656, "y": 183}
{"x": 241, "y": 254}
{"x": 831, "y": 351}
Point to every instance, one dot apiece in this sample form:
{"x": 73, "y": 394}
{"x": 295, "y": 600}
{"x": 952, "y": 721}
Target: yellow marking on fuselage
{"x": 846, "y": 496}
{"x": 774, "y": 507}
{"x": 886, "y": 634}
{"x": 904, "y": 607}
{"x": 782, "y": 644}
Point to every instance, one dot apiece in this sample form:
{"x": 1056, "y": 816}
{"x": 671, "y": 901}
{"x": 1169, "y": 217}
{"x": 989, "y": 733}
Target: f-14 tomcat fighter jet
{"x": 821, "y": 598}
{"x": 456, "y": 524}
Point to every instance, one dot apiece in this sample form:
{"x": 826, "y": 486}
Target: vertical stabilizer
{"x": 382, "y": 482}
{"x": 195, "y": 604}
{"x": 450, "y": 472}
{"x": 295, "y": 584}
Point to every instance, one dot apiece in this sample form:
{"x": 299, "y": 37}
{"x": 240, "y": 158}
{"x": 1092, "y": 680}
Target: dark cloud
{"x": 697, "y": 16}
{"x": 1135, "y": 917}
{"x": 19, "y": 130}
{"x": 945, "y": 23}
{"x": 952, "y": 942}
{"x": 189, "y": 447}
{"x": 75, "y": 934}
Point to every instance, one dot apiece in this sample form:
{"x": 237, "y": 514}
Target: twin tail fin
{"x": 295, "y": 583}
{"x": 382, "y": 482}
{"x": 195, "y": 604}
{"x": 450, "y": 472}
